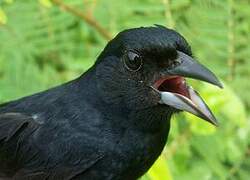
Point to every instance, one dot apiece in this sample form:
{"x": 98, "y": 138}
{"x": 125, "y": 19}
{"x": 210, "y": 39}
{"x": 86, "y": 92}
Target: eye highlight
{"x": 132, "y": 61}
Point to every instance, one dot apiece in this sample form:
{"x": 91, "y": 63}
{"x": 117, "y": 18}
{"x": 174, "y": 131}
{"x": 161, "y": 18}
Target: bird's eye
{"x": 133, "y": 61}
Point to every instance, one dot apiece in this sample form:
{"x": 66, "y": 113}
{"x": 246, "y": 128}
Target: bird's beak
{"x": 176, "y": 93}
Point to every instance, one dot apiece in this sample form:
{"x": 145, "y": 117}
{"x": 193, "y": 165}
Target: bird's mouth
{"x": 174, "y": 84}
{"x": 175, "y": 92}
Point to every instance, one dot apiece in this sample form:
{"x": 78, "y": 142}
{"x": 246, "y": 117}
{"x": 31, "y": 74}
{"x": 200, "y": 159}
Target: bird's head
{"x": 146, "y": 67}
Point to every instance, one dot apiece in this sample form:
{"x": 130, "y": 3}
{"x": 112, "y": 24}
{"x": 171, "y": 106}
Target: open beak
{"x": 176, "y": 93}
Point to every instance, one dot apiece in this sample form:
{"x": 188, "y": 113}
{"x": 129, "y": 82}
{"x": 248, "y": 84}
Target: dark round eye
{"x": 133, "y": 61}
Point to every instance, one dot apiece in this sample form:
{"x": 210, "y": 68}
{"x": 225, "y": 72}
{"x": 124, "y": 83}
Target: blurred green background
{"x": 44, "y": 43}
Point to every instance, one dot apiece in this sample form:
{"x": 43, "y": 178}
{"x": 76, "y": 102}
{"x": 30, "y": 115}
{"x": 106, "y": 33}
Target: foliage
{"x": 42, "y": 45}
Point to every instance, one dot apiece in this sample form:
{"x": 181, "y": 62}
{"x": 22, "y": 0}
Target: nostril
{"x": 169, "y": 64}
{"x": 165, "y": 64}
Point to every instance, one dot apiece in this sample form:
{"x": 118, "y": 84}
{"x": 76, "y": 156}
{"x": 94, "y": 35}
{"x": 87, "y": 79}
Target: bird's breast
{"x": 137, "y": 151}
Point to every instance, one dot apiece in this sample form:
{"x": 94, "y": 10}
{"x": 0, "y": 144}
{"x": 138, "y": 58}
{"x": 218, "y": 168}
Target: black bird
{"x": 112, "y": 122}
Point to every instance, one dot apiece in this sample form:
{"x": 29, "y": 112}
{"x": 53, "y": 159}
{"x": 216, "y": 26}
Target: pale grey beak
{"x": 194, "y": 103}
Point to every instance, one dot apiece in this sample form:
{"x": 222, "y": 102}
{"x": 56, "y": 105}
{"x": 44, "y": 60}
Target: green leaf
{"x": 46, "y": 3}
{"x": 160, "y": 170}
{"x": 3, "y": 17}
{"x": 221, "y": 103}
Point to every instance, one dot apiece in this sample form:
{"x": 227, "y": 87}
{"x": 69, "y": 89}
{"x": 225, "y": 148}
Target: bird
{"x": 111, "y": 122}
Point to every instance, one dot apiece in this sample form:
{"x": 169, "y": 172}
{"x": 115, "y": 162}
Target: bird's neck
{"x": 87, "y": 85}
{"x": 151, "y": 119}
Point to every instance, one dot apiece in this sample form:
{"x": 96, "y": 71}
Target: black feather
{"x": 106, "y": 124}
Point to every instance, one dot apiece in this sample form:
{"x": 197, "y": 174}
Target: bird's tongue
{"x": 176, "y": 93}
{"x": 175, "y": 84}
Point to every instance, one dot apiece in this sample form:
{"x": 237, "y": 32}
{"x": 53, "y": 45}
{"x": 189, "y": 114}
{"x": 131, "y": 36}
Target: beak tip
{"x": 219, "y": 84}
{"x": 215, "y": 81}
{"x": 216, "y": 124}
{"x": 213, "y": 121}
